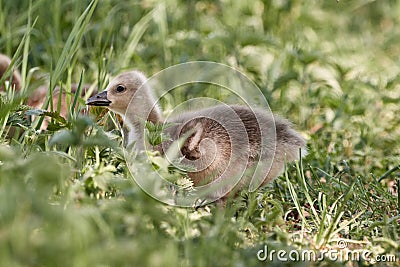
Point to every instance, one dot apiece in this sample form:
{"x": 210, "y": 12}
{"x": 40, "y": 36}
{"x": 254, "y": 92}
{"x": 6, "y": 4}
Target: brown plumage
{"x": 37, "y": 98}
{"x": 221, "y": 138}
{"x": 5, "y": 62}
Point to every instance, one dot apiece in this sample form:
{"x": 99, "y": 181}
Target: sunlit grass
{"x": 67, "y": 197}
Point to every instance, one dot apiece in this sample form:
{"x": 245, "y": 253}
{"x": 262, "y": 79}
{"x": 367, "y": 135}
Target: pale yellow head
{"x": 123, "y": 96}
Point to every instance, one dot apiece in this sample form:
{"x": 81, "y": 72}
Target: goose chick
{"x": 36, "y": 100}
{"x": 5, "y": 62}
{"x": 38, "y": 97}
{"x": 213, "y": 132}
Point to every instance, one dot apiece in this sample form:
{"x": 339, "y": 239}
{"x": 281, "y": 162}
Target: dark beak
{"x": 99, "y": 100}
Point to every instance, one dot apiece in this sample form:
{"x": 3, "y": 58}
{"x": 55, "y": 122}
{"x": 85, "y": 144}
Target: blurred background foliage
{"x": 330, "y": 67}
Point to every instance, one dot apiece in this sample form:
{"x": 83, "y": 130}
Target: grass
{"x": 67, "y": 198}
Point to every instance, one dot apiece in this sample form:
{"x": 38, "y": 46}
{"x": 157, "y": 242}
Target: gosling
{"x": 5, "y": 62}
{"x": 214, "y": 136}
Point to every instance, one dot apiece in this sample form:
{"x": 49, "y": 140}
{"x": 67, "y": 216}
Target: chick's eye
{"x": 120, "y": 88}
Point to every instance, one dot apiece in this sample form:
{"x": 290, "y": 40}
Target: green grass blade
{"x": 134, "y": 38}
{"x": 69, "y": 50}
{"x": 77, "y": 94}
